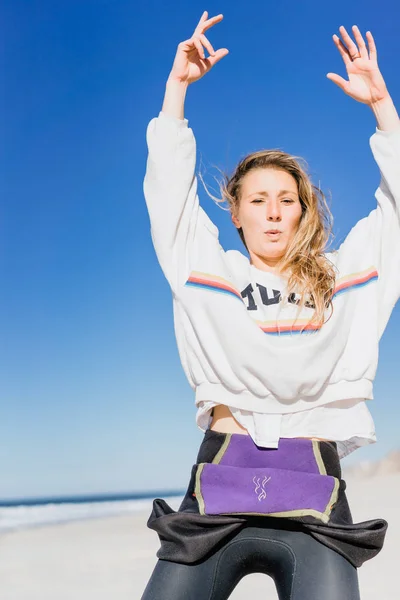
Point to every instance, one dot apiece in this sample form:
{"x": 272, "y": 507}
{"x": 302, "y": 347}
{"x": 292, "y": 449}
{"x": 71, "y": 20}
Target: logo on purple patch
{"x": 263, "y": 494}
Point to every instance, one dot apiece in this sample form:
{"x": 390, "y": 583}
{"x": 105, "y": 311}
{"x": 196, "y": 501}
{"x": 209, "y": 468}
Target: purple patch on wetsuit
{"x": 293, "y": 453}
{"x": 265, "y": 490}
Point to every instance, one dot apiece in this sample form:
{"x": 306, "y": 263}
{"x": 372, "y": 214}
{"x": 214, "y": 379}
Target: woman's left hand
{"x": 365, "y": 83}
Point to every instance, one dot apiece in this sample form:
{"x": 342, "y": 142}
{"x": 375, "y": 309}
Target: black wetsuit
{"x": 301, "y": 567}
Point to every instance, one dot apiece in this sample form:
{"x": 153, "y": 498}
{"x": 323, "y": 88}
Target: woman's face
{"x": 269, "y": 201}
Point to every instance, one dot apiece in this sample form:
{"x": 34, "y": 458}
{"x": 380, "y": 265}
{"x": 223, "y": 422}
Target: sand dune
{"x": 368, "y": 468}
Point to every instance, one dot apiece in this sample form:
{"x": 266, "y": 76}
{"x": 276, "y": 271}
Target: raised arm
{"x": 373, "y": 245}
{"x": 190, "y": 65}
{"x": 170, "y": 184}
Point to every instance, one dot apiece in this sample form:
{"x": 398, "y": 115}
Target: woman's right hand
{"x": 190, "y": 63}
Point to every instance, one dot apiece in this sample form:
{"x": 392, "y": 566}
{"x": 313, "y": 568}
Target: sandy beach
{"x": 114, "y": 557}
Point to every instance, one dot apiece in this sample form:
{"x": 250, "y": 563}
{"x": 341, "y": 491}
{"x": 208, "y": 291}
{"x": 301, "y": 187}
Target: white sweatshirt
{"x": 237, "y": 341}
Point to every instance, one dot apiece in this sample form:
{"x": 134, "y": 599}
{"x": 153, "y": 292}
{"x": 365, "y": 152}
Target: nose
{"x": 273, "y": 211}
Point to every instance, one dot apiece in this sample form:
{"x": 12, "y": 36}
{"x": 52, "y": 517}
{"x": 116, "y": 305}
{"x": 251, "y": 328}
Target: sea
{"x": 37, "y": 512}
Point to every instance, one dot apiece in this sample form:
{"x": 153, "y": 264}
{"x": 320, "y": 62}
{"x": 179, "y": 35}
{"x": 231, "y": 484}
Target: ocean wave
{"x": 37, "y": 515}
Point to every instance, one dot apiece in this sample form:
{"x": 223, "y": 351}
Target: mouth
{"x": 273, "y": 233}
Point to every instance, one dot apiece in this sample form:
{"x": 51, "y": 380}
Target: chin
{"x": 275, "y": 251}
{"x": 271, "y": 255}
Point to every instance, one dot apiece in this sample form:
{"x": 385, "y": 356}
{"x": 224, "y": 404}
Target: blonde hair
{"x": 310, "y": 272}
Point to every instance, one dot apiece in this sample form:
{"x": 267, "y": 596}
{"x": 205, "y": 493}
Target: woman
{"x": 280, "y": 348}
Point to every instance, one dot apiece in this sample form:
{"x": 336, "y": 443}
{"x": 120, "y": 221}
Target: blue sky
{"x": 93, "y": 398}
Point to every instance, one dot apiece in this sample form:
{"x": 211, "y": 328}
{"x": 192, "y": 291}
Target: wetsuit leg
{"x": 301, "y": 567}
{"x": 320, "y": 572}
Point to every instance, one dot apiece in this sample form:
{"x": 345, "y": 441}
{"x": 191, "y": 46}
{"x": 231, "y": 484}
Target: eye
{"x": 288, "y": 200}
{"x": 257, "y": 200}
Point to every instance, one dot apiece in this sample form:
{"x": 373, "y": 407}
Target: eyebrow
{"x": 266, "y": 193}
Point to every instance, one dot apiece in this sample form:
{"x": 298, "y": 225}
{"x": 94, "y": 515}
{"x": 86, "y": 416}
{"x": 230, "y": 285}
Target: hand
{"x": 190, "y": 63}
{"x": 365, "y": 83}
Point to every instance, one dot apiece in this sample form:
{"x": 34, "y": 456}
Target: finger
{"x": 207, "y": 44}
{"x": 351, "y": 47}
{"x": 212, "y": 60}
{"x": 344, "y": 53}
{"x": 211, "y": 22}
{"x": 187, "y": 45}
{"x": 199, "y": 47}
{"x": 360, "y": 41}
{"x": 342, "y": 83}
{"x": 202, "y": 18}
{"x": 205, "y": 24}
{"x": 371, "y": 45}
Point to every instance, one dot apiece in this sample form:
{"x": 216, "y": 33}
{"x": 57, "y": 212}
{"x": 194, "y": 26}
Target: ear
{"x": 235, "y": 221}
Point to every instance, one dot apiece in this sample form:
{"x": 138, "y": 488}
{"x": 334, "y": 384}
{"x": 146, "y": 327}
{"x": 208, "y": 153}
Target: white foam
{"x": 20, "y": 517}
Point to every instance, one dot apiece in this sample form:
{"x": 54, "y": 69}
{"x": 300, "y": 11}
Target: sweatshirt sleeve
{"x": 378, "y": 235}
{"x": 178, "y": 224}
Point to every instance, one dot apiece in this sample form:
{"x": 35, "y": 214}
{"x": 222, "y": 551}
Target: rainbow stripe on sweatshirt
{"x": 355, "y": 280}
{"x": 217, "y": 284}
{"x": 212, "y": 283}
